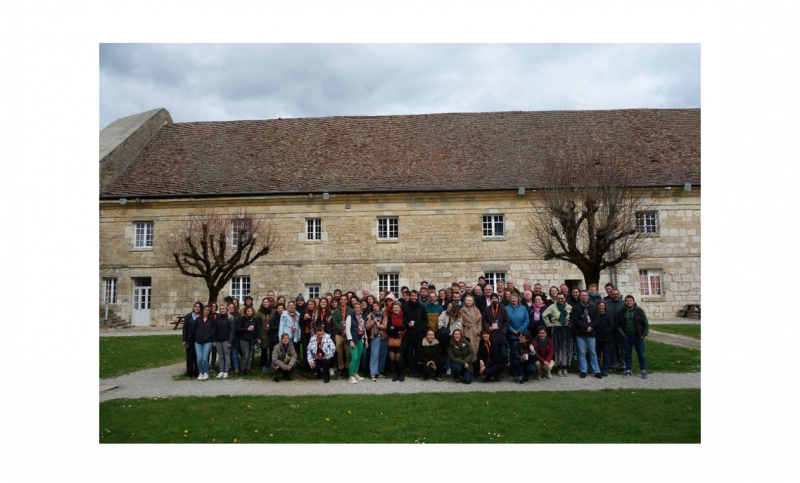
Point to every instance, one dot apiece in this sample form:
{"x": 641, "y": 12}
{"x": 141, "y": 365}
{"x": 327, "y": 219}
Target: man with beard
{"x": 614, "y": 306}
{"x": 416, "y": 317}
{"x": 495, "y": 318}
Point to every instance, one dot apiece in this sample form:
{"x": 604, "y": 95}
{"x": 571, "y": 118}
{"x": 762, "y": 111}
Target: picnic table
{"x": 178, "y": 322}
{"x": 690, "y": 311}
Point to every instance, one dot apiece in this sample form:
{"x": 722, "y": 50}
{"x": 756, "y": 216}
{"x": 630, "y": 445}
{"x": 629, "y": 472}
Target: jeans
{"x": 605, "y": 349}
{"x": 235, "y": 351}
{"x": 382, "y": 356}
{"x": 459, "y": 370}
{"x": 355, "y": 356}
{"x": 638, "y": 344}
{"x": 191, "y": 360}
{"x": 202, "y": 351}
{"x": 518, "y": 367}
{"x": 582, "y": 343}
{"x": 375, "y": 350}
{"x": 224, "y": 356}
{"x": 366, "y": 356}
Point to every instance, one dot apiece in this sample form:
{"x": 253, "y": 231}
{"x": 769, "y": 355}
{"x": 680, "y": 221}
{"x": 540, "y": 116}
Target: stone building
{"x": 374, "y": 202}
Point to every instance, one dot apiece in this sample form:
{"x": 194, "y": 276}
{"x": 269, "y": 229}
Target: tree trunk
{"x": 213, "y": 294}
{"x": 590, "y": 275}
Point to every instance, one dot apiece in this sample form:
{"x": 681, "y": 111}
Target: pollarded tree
{"x": 213, "y": 246}
{"x": 587, "y": 215}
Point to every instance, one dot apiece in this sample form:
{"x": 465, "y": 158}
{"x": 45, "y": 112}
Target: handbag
{"x": 395, "y": 342}
{"x": 444, "y": 333}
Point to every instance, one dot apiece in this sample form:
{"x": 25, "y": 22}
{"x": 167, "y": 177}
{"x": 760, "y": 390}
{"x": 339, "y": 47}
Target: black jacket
{"x": 224, "y": 328}
{"x": 188, "y": 334}
{"x": 416, "y": 311}
{"x": 242, "y": 323}
{"x": 394, "y": 331}
{"x": 605, "y": 333}
{"x": 499, "y": 334}
{"x": 495, "y": 357}
{"x": 579, "y": 322}
{"x": 204, "y": 331}
{"x": 274, "y": 325}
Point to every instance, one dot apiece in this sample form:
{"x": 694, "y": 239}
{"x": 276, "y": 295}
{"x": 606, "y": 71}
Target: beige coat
{"x": 471, "y": 326}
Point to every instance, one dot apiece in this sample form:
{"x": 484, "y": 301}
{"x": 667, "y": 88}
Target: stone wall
{"x": 440, "y": 240}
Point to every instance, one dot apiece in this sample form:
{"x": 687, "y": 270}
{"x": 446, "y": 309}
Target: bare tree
{"x": 588, "y": 214}
{"x": 214, "y": 246}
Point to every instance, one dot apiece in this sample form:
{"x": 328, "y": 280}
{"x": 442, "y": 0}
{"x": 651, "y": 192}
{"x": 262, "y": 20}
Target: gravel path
{"x": 158, "y": 382}
{"x": 673, "y": 339}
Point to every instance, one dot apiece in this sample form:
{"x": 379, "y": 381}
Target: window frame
{"x": 644, "y": 225}
{"x": 238, "y": 292}
{"x": 493, "y": 220}
{"x": 144, "y": 226}
{"x": 313, "y": 229}
{"x": 492, "y": 278}
{"x": 235, "y": 231}
{"x": 387, "y": 230}
{"x": 649, "y": 277}
{"x": 113, "y": 285}
{"x": 309, "y": 288}
{"x": 388, "y": 280}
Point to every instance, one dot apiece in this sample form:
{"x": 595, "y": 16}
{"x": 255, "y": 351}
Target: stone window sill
{"x": 388, "y": 240}
{"x": 651, "y": 298}
{"x": 493, "y": 239}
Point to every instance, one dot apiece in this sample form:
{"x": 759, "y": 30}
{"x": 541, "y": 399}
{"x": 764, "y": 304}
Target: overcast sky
{"x": 207, "y": 82}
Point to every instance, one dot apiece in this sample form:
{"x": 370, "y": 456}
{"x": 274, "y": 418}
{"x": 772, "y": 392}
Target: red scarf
{"x": 488, "y": 345}
{"x": 397, "y": 320}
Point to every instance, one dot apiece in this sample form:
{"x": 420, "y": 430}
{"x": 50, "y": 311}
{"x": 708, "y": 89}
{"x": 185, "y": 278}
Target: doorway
{"x": 574, "y": 283}
{"x": 140, "y": 314}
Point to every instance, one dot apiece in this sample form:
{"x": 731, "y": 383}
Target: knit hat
{"x": 391, "y": 296}
{"x": 248, "y": 297}
{"x": 494, "y": 296}
{"x": 300, "y": 297}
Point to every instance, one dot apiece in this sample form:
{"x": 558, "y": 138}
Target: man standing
{"x": 495, "y": 318}
{"x": 537, "y": 290}
{"x": 423, "y": 295}
{"x": 462, "y": 289}
{"x": 510, "y": 286}
{"x": 338, "y": 320}
{"x": 416, "y": 317}
{"x": 609, "y": 287}
{"x": 457, "y": 299}
{"x": 486, "y": 300}
{"x": 527, "y": 285}
{"x": 614, "y": 306}
{"x": 633, "y": 324}
{"x": 482, "y": 282}
{"x": 565, "y": 290}
{"x": 527, "y": 300}
{"x": 584, "y": 326}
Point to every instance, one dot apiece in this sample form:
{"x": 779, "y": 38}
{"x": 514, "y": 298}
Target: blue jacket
{"x": 518, "y": 320}
{"x": 286, "y": 327}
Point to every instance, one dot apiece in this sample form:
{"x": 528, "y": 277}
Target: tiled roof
{"x": 492, "y": 150}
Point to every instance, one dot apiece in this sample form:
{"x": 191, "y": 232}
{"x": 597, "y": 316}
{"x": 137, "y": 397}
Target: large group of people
{"x": 462, "y": 331}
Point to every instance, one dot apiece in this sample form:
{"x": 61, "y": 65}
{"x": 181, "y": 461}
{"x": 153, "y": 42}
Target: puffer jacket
{"x": 607, "y": 328}
{"x": 633, "y": 322}
{"x": 224, "y": 328}
{"x": 518, "y": 320}
{"x": 328, "y": 348}
{"x": 204, "y": 330}
{"x": 242, "y": 324}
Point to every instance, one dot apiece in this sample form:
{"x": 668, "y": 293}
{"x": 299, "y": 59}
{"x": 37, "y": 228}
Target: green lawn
{"x": 121, "y": 355}
{"x": 688, "y": 330}
{"x": 640, "y": 416}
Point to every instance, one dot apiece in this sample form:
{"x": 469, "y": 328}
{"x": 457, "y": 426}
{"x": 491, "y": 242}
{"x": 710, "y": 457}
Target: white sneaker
{"x": 359, "y": 377}
{"x": 200, "y": 377}
{"x": 219, "y": 375}
{"x": 224, "y": 375}
{"x": 352, "y": 380}
{"x": 205, "y": 375}
{"x": 333, "y": 372}
{"x": 449, "y": 373}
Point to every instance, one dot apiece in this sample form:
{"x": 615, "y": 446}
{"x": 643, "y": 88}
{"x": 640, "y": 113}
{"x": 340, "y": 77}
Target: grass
{"x": 640, "y": 416}
{"x": 689, "y": 330}
{"x": 121, "y": 355}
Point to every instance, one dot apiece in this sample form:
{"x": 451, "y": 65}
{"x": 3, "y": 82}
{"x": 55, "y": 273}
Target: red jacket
{"x": 546, "y": 352}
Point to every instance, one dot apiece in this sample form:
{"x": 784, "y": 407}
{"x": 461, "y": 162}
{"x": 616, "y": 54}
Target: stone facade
{"x": 440, "y": 240}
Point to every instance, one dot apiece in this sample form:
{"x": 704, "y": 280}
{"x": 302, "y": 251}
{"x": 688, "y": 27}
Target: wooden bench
{"x": 690, "y": 311}
{"x": 178, "y": 322}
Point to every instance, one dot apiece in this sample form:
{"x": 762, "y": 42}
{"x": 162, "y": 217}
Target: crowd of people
{"x": 474, "y": 330}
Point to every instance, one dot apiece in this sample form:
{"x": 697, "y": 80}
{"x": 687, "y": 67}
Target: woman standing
{"x": 247, "y": 329}
{"x": 443, "y": 298}
{"x": 471, "y": 323}
{"x": 222, "y": 341}
{"x": 214, "y": 314}
{"x": 188, "y": 339}
{"x": 535, "y": 314}
{"x": 262, "y": 318}
{"x": 605, "y": 334}
{"x": 398, "y": 333}
{"x": 450, "y": 320}
{"x": 308, "y": 329}
{"x": 235, "y": 346}
{"x": 203, "y": 329}
{"x": 557, "y": 318}
{"x": 461, "y": 356}
{"x": 552, "y": 298}
{"x": 376, "y": 326}
{"x": 356, "y": 332}
{"x": 275, "y": 323}
{"x": 290, "y": 324}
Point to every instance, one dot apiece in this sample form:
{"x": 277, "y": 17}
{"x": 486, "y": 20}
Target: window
{"x": 110, "y": 291}
{"x": 493, "y": 226}
{"x": 493, "y": 278}
{"x": 387, "y": 228}
{"x": 312, "y": 292}
{"x": 239, "y": 227}
{"x": 144, "y": 234}
{"x": 647, "y": 222}
{"x": 240, "y": 287}
{"x": 314, "y": 229}
{"x": 389, "y": 281}
{"x": 650, "y": 281}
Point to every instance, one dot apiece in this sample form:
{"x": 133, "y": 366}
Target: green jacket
{"x": 634, "y": 322}
{"x": 263, "y": 330}
{"x": 463, "y": 356}
{"x": 337, "y": 321}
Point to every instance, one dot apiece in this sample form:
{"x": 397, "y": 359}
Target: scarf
{"x": 562, "y": 316}
{"x": 265, "y": 310}
{"x": 542, "y": 344}
{"x": 397, "y": 320}
{"x": 319, "y": 348}
{"x": 538, "y": 307}
{"x": 488, "y": 345}
{"x": 292, "y": 313}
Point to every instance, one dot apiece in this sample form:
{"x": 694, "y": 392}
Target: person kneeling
{"x": 321, "y": 350}
{"x": 284, "y": 358}
{"x": 544, "y": 353}
{"x": 491, "y": 361}
{"x": 461, "y": 357}
{"x": 523, "y": 357}
{"x": 430, "y": 356}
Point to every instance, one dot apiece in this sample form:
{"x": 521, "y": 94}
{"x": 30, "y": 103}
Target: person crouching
{"x": 284, "y": 358}
{"x": 523, "y": 357}
{"x": 430, "y": 356}
{"x": 321, "y": 350}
